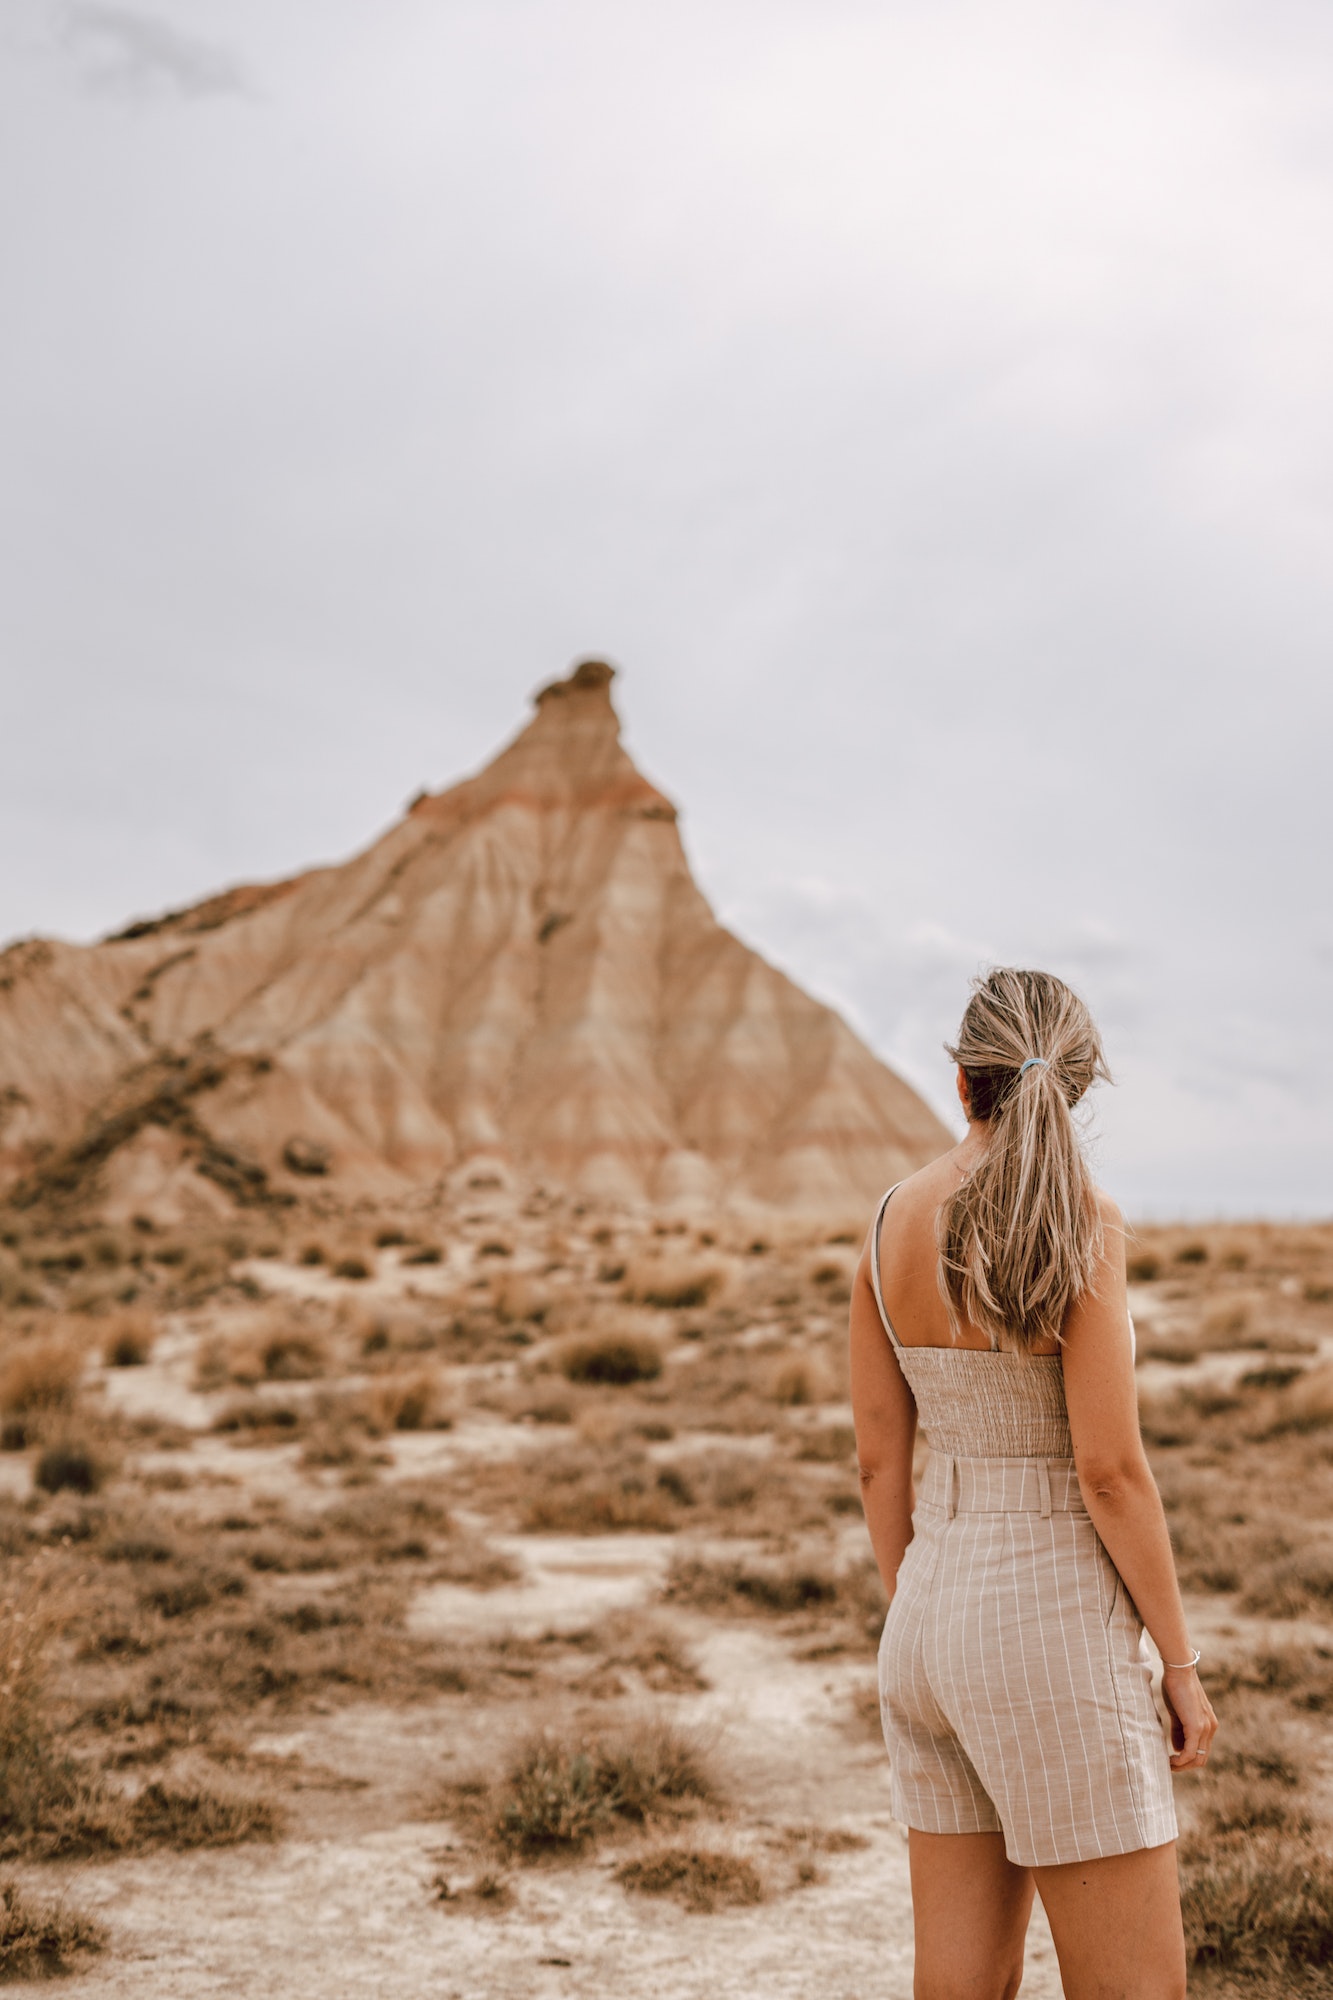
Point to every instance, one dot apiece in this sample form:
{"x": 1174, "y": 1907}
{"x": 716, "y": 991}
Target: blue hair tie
{"x": 1035, "y": 1062}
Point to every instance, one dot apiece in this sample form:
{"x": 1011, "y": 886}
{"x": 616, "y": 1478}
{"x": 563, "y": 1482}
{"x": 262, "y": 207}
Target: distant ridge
{"x": 521, "y": 972}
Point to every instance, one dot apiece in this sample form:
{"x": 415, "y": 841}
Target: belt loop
{"x": 1044, "y": 1487}
{"x": 950, "y": 1477}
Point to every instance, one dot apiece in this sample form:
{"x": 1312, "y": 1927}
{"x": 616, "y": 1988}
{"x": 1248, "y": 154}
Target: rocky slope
{"x": 522, "y": 972}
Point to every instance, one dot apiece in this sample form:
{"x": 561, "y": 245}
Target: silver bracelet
{"x": 1180, "y": 1666}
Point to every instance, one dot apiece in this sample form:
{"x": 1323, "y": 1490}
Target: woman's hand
{"x": 1193, "y": 1724}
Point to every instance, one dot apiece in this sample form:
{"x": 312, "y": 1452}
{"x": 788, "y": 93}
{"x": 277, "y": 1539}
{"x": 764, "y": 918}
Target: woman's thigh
{"x": 1116, "y": 1925}
{"x": 970, "y": 1910}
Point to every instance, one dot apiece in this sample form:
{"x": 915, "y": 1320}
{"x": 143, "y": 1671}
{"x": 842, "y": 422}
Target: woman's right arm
{"x": 884, "y": 1413}
{"x": 1118, "y": 1487}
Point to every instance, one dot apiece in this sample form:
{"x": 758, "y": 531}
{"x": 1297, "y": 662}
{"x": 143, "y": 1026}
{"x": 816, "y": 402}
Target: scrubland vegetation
{"x": 254, "y": 1480}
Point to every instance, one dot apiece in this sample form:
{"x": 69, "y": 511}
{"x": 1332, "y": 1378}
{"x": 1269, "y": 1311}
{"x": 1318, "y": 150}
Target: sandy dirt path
{"x": 350, "y": 1906}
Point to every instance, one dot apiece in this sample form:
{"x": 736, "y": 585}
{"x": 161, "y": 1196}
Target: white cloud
{"x": 127, "y": 51}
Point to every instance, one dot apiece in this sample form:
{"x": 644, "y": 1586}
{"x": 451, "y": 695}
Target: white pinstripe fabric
{"x": 1011, "y": 1689}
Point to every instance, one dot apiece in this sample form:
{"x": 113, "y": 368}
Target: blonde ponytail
{"x": 1020, "y": 1238}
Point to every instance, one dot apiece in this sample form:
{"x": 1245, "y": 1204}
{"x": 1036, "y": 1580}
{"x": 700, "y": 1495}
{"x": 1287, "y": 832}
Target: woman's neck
{"x": 971, "y": 1150}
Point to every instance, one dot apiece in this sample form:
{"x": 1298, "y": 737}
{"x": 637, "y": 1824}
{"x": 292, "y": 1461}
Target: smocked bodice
{"x": 981, "y": 1402}
{"x": 972, "y": 1403}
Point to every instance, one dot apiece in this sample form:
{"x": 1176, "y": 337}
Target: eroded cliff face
{"x": 521, "y": 972}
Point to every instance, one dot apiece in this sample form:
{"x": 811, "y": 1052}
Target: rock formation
{"x": 521, "y": 972}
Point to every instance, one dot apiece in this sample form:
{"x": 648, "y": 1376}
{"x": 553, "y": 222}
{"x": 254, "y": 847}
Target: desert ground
{"x": 472, "y": 1599}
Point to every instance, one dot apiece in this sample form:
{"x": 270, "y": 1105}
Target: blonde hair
{"x": 1019, "y": 1240}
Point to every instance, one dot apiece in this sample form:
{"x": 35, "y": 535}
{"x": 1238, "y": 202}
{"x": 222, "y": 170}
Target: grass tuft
{"x": 559, "y": 1795}
{"x": 70, "y": 1466}
{"x": 675, "y": 1285}
{"x": 699, "y": 1877}
{"x": 40, "y": 1377}
{"x": 775, "y": 1588}
{"x": 42, "y": 1940}
{"x": 164, "y": 1816}
{"x": 129, "y": 1341}
{"x": 613, "y": 1360}
{"x": 1261, "y": 1907}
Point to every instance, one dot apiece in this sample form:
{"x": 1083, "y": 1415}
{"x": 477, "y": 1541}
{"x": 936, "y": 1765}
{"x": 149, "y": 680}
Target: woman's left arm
{"x": 1118, "y": 1486}
{"x": 884, "y": 1413}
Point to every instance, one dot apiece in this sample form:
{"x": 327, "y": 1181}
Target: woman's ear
{"x": 964, "y": 1096}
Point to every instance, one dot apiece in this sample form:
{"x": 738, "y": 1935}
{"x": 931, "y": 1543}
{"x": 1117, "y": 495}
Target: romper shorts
{"x": 1013, "y": 1695}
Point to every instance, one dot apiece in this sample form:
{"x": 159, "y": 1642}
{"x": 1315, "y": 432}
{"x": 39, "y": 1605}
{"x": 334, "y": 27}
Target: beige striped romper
{"x": 1012, "y": 1690}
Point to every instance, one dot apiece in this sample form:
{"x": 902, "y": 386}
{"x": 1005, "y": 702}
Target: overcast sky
{"x": 927, "y": 405}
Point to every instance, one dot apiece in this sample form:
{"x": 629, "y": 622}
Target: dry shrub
{"x": 519, "y": 1298}
{"x": 267, "y": 1348}
{"x": 260, "y": 1419}
{"x": 70, "y": 1465}
{"x": 351, "y": 1265}
{"x": 771, "y": 1587}
{"x": 1228, "y": 1323}
{"x": 1220, "y": 1543}
{"x": 1296, "y": 1587}
{"x": 826, "y": 1444}
{"x": 833, "y": 1275}
{"x": 1302, "y": 1675}
{"x": 189, "y": 1653}
{"x": 1180, "y": 1416}
{"x": 674, "y": 1282}
{"x": 336, "y": 1437}
{"x": 41, "y": 1376}
{"x": 798, "y": 1381}
{"x": 1308, "y": 1402}
{"x": 560, "y": 1794}
{"x": 1254, "y": 1744}
{"x": 1239, "y": 1802}
{"x": 1272, "y": 1375}
{"x": 578, "y": 1490}
{"x": 746, "y": 1494}
{"x": 292, "y": 1355}
{"x": 42, "y": 1940}
{"x": 1261, "y": 1906}
{"x": 212, "y": 1365}
{"x": 30, "y": 1616}
{"x": 129, "y": 1341}
{"x": 413, "y": 1400}
{"x": 49, "y": 1805}
{"x": 165, "y": 1816}
{"x": 542, "y": 1406}
{"x": 422, "y": 1253}
{"x": 399, "y": 1521}
{"x": 701, "y": 1878}
{"x": 1228, "y": 1326}
{"x": 18, "y": 1290}
{"x": 614, "y": 1359}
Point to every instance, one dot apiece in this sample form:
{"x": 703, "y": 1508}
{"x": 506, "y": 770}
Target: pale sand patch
{"x": 569, "y": 1582}
{"x": 390, "y": 1281}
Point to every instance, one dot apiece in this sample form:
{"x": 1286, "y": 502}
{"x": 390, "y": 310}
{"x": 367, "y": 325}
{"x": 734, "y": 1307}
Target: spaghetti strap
{"x": 875, "y": 1229}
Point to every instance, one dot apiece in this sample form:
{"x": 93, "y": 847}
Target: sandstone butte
{"x": 521, "y": 976}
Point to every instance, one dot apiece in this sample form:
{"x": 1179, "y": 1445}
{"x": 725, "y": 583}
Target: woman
{"x": 1026, "y": 1752}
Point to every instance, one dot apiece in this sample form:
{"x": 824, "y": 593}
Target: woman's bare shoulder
{"x": 928, "y": 1181}
{"x": 1109, "y": 1209}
